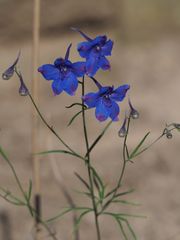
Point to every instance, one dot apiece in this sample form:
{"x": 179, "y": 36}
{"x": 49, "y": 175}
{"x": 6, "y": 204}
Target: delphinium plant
{"x": 67, "y": 76}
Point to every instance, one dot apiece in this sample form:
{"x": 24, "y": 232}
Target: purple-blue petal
{"x": 99, "y": 40}
{"x": 82, "y": 34}
{"x": 79, "y": 68}
{"x": 58, "y": 62}
{"x": 107, "y": 48}
{"x": 68, "y": 52}
{"x": 120, "y": 93}
{"x": 90, "y": 99}
{"x": 92, "y": 64}
{"x": 70, "y": 83}
{"x": 49, "y": 72}
{"x": 114, "y": 111}
{"x": 102, "y": 112}
{"x": 84, "y": 49}
{"x": 57, "y": 87}
{"x": 104, "y": 63}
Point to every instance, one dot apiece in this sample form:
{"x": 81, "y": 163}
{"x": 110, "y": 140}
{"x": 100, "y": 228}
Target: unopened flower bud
{"x": 23, "y": 91}
{"x": 123, "y": 131}
{"x": 133, "y": 112}
{"x": 176, "y": 125}
{"x": 10, "y": 71}
{"x": 169, "y": 135}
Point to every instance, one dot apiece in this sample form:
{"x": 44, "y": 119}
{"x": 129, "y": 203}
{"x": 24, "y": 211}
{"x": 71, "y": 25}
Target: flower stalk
{"x": 89, "y": 166}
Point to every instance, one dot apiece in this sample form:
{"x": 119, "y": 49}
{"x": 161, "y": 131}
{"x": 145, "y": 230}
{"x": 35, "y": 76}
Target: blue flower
{"x": 105, "y": 101}
{"x": 63, "y": 73}
{"x": 95, "y": 50}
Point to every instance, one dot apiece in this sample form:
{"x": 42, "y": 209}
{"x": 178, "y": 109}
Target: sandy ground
{"x": 152, "y": 70}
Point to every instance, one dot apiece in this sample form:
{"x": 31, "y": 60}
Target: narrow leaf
{"x": 123, "y": 193}
{"x": 76, "y": 104}
{"x": 78, "y": 221}
{"x": 134, "y": 152}
{"x": 29, "y": 191}
{"x": 121, "y": 228}
{"x": 98, "y": 138}
{"x": 130, "y": 228}
{"x": 82, "y": 180}
{"x": 74, "y": 117}
{"x": 126, "y": 202}
{"x": 67, "y": 210}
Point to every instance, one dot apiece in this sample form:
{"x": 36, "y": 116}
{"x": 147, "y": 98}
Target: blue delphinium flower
{"x": 63, "y": 73}
{"x": 105, "y": 101}
{"x": 95, "y": 50}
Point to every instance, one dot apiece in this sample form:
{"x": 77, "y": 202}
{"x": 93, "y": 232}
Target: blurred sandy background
{"x": 146, "y": 55}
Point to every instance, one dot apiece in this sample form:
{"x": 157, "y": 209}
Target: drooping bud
{"x": 10, "y": 71}
{"x": 177, "y": 125}
{"x": 23, "y": 91}
{"x": 123, "y": 131}
{"x": 169, "y": 134}
{"x": 133, "y": 112}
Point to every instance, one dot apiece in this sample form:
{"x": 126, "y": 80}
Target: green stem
{"x": 122, "y": 171}
{"x": 27, "y": 204}
{"x": 46, "y": 123}
{"x": 89, "y": 166}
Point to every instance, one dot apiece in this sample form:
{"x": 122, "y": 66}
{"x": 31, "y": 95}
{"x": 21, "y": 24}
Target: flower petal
{"x": 114, "y": 111}
{"x": 58, "y": 62}
{"x": 68, "y": 51}
{"x": 79, "y": 68}
{"x": 70, "y": 83}
{"x": 99, "y": 40}
{"x": 90, "y": 99}
{"x": 49, "y": 72}
{"x": 82, "y": 34}
{"x": 102, "y": 112}
{"x": 104, "y": 63}
{"x": 92, "y": 64}
{"x": 120, "y": 93}
{"x": 84, "y": 49}
{"x": 57, "y": 87}
{"x": 107, "y": 48}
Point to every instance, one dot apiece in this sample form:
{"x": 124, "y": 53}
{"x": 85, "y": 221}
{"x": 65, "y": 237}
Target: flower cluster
{"x": 64, "y": 75}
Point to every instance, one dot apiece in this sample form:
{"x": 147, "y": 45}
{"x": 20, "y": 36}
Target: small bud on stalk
{"x": 169, "y": 135}
{"x": 133, "y": 112}
{"x": 23, "y": 91}
{"x": 122, "y": 132}
{"x": 10, "y": 71}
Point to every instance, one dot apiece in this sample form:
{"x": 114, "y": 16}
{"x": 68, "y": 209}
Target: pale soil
{"x": 153, "y": 72}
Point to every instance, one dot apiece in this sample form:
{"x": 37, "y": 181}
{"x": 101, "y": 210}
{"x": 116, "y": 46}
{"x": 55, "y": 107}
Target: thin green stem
{"x": 89, "y": 166}
{"x": 46, "y": 123}
{"x": 155, "y": 141}
{"x": 27, "y": 203}
{"x": 122, "y": 171}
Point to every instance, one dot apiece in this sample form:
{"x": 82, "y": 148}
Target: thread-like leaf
{"x": 126, "y": 202}
{"x": 29, "y": 190}
{"x": 123, "y": 193}
{"x": 76, "y": 104}
{"x": 67, "y": 210}
{"x": 130, "y": 228}
{"x": 121, "y": 228}
{"x": 82, "y": 180}
{"x": 74, "y": 117}
{"x": 129, "y": 215}
{"x": 135, "y": 151}
{"x": 98, "y": 178}
{"x": 78, "y": 221}
{"x": 98, "y": 138}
